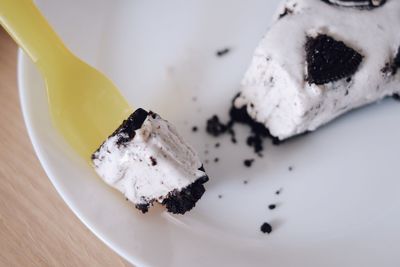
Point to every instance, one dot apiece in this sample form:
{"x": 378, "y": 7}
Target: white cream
{"x": 154, "y": 163}
{"x": 274, "y": 87}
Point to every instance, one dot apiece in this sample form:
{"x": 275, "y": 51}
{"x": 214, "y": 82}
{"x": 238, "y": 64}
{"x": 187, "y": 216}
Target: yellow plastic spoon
{"x": 85, "y": 105}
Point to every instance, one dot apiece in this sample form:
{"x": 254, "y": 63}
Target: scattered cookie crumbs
{"x": 223, "y": 52}
{"x": 248, "y": 162}
{"x": 272, "y": 206}
{"x": 258, "y": 132}
{"x": 266, "y": 228}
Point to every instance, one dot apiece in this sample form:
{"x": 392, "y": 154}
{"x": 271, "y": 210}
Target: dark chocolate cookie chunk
{"x": 329, "y": 60}
{"x": 179, "y": 202}
{"x": 215, "y": 127}
{"x": 128, "y": 127}
{"x": 286, "y": 11}
{"x": 143, "y": 207}
{"x": 362, "y": 4}
{"x": 266, "y": 228}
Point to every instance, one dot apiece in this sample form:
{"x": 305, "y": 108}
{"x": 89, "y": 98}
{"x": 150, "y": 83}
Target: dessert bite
{"x": 148, "y": 161}
{"x": 321, "y": 59}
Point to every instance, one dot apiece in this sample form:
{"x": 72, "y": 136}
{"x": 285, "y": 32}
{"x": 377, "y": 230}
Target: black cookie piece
{"x": 266, "y": 228}
{"x": 286, "y": 11}
{"x": 143, "y": 207}
{"x": 215, "y": 127}
{"x": 222, "y": 52}
{"x": 127, "y": 128}
{"x": 329, "y": 60}
{"x": 179, "y": 202}
{"x": 361, "y": 4}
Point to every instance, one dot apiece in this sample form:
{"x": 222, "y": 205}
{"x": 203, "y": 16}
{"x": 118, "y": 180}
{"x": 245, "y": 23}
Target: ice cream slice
{"x": 321, "y": 59}
{"x": 147, "y": 160}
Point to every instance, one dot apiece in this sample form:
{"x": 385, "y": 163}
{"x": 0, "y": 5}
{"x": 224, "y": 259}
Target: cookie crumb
{"x": 272, "y": 206}
{"x": 153, "y": 161}
{"x": 266, "y": 228}
{"x": 216, "y": 159}
{"x": 286, "y": 12}
{"x": 194, "y": 129}
{"x": 215, "y": 127}
{"x": 278, "y": 192}
{"x": 245, "y": 182}
{"x": 248, "y": 162}
{"x": 219, "y": 196}
{"x": 290, "y": 168}
{"x": 217, "y": 145}
{"x": 223, "y": 52}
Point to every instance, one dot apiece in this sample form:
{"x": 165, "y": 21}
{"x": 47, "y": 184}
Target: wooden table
{"x": 36, "y": 227}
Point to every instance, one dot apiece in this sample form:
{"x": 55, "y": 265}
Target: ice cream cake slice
{"x": 321, "y": 59}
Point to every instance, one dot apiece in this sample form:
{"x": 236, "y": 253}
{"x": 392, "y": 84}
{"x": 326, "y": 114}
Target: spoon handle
{"x": 30, "y": 30}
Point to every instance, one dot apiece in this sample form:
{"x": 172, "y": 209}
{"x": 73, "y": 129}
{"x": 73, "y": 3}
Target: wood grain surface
{"x": 36, "y": 226}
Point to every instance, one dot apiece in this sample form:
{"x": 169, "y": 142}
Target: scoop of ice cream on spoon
{"x": 86, "y": 108}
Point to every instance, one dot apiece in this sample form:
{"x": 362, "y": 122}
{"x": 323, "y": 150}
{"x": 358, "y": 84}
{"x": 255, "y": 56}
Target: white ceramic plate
{"x": 340, "y": 206}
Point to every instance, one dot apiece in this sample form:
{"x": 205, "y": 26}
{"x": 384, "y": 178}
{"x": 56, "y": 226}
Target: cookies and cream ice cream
{"x": 147, "y": 160}
{"x": 321, "y": 59}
